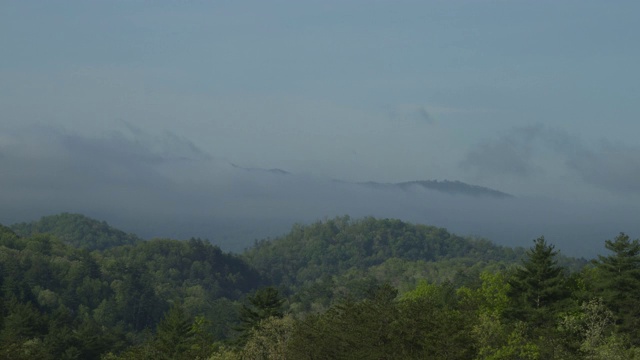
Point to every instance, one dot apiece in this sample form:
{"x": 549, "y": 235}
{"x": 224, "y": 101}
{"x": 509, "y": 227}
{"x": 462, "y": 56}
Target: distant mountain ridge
{"x": 446, "y": 186}
{"x": 273, "y": 171}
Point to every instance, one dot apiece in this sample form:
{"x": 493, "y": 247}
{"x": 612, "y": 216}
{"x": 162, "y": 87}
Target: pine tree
{"x": 619, "y": 282}
{"x": 263, "y": 304}
{"x": 174, "y": 333}
{"x": 538, "y": 286}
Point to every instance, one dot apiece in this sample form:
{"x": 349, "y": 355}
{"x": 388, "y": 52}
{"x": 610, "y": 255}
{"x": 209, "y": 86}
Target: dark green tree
{"x": 23, "y": 322}
{"x": 137, "y": 302}
{"x": 174, "y": 335}
{"x": 350, "y": 330}
{"x": 618, "y": 282}
{"x": 538, "y": 285}
{"x": 263, "y": 304}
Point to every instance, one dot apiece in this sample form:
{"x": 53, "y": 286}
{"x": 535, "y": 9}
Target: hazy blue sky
{"x": 535, "y": 98}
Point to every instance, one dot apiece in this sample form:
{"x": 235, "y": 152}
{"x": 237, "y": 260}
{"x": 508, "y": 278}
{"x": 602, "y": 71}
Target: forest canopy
{"x": 342, "y": 288}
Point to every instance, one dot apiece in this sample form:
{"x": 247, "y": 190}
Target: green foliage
{"x": 270, "y": 339}
{"x": 176, "y": 334}
{"x": 517, "y": 347}
{"x": 348, "y": 330}
{"x": 435, "y": 323}
{"x": 366, "y": 289}
{"x": 618, "y": 282}
{"x": 591, "y": 331}
{"x": 538, "y": 286}
{"x": 263, "y": 304}
{"x": 77, "y": 230}
{"x": 339, "y": 244}
{"x": 72, "y": 303}
{"x": 494, "y": 293}
{"x": 428, "y": 323}
{"x": 340, "y": 257}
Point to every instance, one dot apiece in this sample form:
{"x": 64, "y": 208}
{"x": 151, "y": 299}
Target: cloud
{"x": 526, "y": 152}
{"x": 510, "y": 154}
{"x": 613, "y": 167}
{"x": 163, "y": 185}
{"x": 51, "y": 163}
{"x": 412, "y": 113}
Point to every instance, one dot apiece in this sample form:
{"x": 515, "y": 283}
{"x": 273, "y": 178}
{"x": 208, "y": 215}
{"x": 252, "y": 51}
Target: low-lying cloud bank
{"x": 521, "y": 153}
{"x": 165, "y": 186}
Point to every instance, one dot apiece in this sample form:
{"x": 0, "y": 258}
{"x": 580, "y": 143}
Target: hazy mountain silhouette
{"x": 445, "y": 186}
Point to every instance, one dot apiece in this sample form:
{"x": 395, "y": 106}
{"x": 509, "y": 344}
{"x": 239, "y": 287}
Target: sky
{"x": 139, "y": 107}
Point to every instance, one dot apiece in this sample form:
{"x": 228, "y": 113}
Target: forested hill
{"x": 77, "y": 230}
{"x": 61, "y": 302}
{"x": 375, "y": 246}
{"x": 338, "y": 289}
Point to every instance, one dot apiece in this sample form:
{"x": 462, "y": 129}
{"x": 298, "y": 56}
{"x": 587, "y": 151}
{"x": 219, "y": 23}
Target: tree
{"x": 591, "y": 328}
{"x": 434, "y": 323}
{"x": 136, "y": 299}
{"x": 350, "y": 330}
{"x": 270, "y": 340}
{"x": 538, "y": 295}
{"x": 174, "y": 334}
{"x": 263, "y": 304}
{"x": 618, "y": 282}
{"x": 537, "y": 287}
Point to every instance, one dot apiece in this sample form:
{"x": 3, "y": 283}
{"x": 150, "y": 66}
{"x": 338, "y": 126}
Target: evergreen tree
{"x": 263, "y": 304}
{"x": 365, "y": 329}
{"x": 174, "y": 334}
{"x": 538, "y": 286}
{"x": 619, "y": 282}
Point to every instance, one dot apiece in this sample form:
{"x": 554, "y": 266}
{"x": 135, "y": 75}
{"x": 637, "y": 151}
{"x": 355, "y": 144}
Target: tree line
{"x": 536, "y": 309}
{"x": 335, "y": 289}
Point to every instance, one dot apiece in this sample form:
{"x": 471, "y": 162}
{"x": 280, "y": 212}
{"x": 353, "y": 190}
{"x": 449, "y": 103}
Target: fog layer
{"x": 164, "y": 186}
